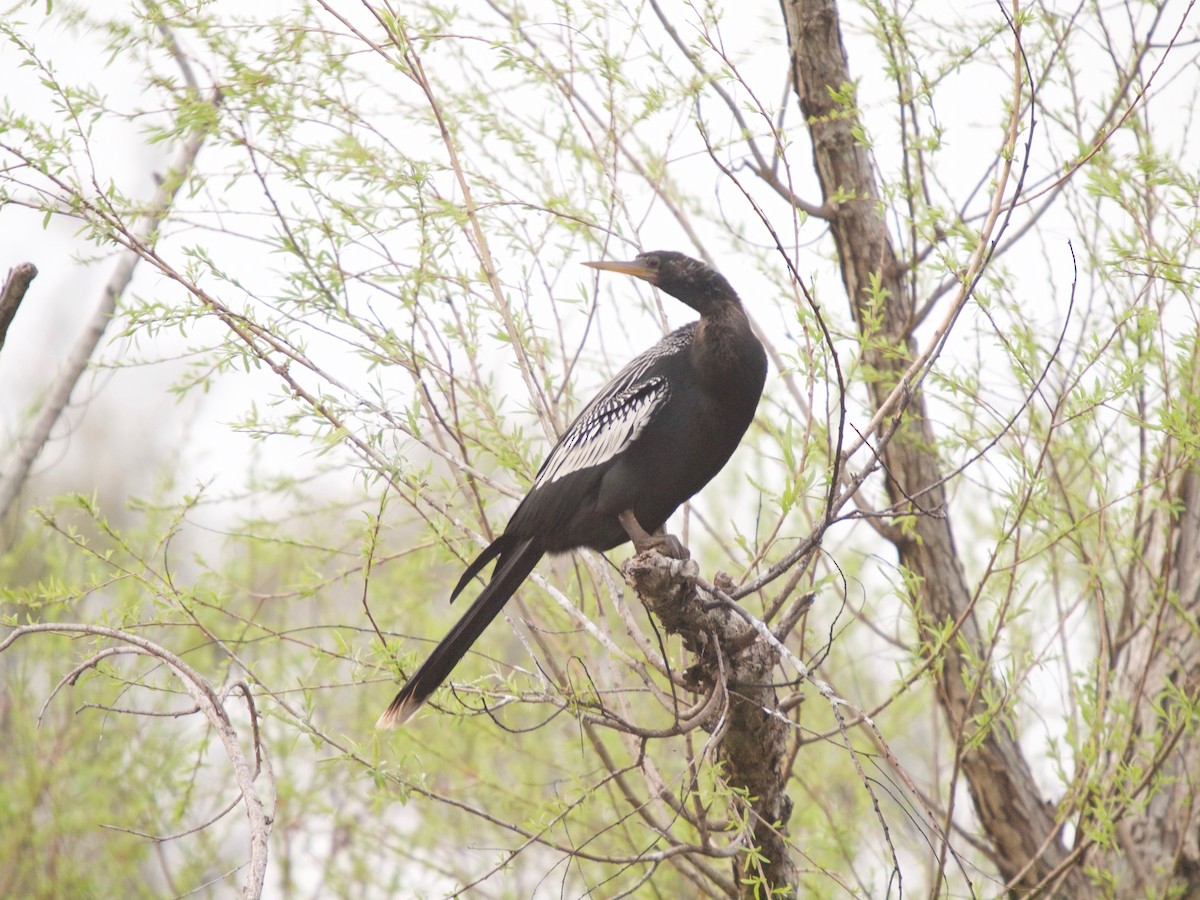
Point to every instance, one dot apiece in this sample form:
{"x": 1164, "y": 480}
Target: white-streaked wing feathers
{"x": 615, "y": 418}
{"x": 605, "y": 431}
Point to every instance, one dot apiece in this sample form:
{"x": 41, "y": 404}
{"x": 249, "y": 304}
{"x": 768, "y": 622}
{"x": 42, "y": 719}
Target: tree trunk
{"x": 752, "y": 745}
{"x": 1157, "y": 772}
{"x": 1024, "y": 837}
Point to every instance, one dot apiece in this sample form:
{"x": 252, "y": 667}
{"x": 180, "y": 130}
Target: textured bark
{"x": 1019, "y": 826}
{"x": 1158, "y": 847}
{"x": 752, "y": 742}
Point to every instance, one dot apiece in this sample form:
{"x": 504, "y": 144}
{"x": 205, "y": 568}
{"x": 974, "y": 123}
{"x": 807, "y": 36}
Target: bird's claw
{"x": 673, "y": 547}
{"x": 666, "y": 544}
{"x": 643, "y": 541}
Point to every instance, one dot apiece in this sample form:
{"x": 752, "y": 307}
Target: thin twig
{"x": 211, "y": 704}
{"x": 29, "y": 445}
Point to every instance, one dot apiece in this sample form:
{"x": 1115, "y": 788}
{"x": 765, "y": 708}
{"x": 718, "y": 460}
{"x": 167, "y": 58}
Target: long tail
{"x": 514, "y": 566}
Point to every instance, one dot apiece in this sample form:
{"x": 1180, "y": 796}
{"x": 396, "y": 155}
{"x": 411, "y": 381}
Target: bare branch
{"x": 29, "y": 445}
{"x": 11, "y": 295}
{"x": 212, "y": 706}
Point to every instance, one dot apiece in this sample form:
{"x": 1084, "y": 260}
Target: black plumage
{"x": 654, "y": 436}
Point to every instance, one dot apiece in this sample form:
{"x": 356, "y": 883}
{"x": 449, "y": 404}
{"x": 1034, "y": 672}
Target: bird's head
{"x": 695, "y": 283}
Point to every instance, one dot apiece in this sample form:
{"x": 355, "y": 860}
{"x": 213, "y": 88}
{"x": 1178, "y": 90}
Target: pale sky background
{"x": 145, "y": 432}
{"x": 132, "y": 401}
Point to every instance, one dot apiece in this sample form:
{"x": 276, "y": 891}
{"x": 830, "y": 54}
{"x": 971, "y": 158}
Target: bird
{"x": 656, "y": 434}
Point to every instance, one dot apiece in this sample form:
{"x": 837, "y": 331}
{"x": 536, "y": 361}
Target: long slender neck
{"x": 724, "y": 349}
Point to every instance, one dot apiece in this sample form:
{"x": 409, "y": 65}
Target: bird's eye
{"x": 652, "y": 262}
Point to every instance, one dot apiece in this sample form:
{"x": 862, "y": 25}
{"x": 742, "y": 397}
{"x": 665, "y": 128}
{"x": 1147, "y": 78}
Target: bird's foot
{"x": 667, "y": 545}
{"x": 643, "y": 541}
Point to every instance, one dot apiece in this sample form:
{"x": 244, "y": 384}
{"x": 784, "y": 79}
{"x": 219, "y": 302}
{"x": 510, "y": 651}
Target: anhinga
{"x": 654, "y": 436}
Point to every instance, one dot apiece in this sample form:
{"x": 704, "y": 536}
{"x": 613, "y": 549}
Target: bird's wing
{"x": 618, "y": 414}
{"x": 609, "y": 425}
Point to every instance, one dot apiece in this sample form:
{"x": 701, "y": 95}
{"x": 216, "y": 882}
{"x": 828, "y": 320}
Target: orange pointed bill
{"x": 634, "y": 267}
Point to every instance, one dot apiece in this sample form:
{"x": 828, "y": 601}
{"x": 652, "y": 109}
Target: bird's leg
{"x": 666, "y": 544}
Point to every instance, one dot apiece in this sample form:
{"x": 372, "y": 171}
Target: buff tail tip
{"x": 400, "y": 711}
